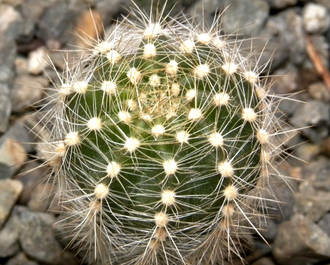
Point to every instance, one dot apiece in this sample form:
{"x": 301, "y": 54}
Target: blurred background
{"x": 291, "y": 36}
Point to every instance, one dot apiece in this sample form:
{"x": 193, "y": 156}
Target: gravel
{"x": 9, "y": 193}
{"x": 298, "y": 232}
{"x": 305, "y": 244}
{"x": 252, "y": 16}
{"x": 316, "y": 18}
{"x": 12, "y": 156}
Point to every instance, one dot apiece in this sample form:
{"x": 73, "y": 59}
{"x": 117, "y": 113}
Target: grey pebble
{"x": 284, "y": 29}
{"x": 44, "y": 198}
{"x": 247, "y": 17}
{"x": 285, "y": 82}
{"x": 31, "y": 175}
{"x": 37, "y": 61}
{"x": 21, "y": 259}
{"x": 24, "y": 132}
{"x": 307, "y": 151}
{"x": 316, "y": 115}
{"x": 27, "y": 90}
{"x": 108, "y": 9}
{"x": 279, "y": 198}
{"x": 5, "y": 106}
{"x": 264, "y": 261}
{"x": 268, "y": 229}
{"x": 205, "y": 9}
{"x": 10, "y": 26}
{"x": 58, "y": 18}
{"x": 318, "y": 174}
{"x": 260, "y": 249}
{"x": 12, "y": 156}
{"x": 11, "y": 22}
{"x": 9, "y": 235}
{"x": 31, "y": 11}
{"x": 7, "y": 58}
{"x": 36, "y": 237}
{"x": 324, "y": 224}
{"x": 300, "y": 242}
{"x": 312, "y": 203}
{"x": 319, "y": 91}
{"x": 21, "y": 65}
{"x": 316, "y": 18}
{"x": 293, "y": 32}
{"x": 9, "y": 193}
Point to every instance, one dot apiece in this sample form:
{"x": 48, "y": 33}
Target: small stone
{"x": 90, "y": 23}
{"x": 59, "y": 62}
{"x": 27, "y": 91}
{"x": 31, "y": 11}
{"x": 10, "y": 22}
{"x": 260, "y": 249}
{"x": 9, "y": 193}
{"x": 281, "y": 30}
{"x": 291, "y": 138}
{"x": 319, "y": 91}
{"x": 7, "y": 58}
{"x": 21, "y": 65}
{"x": 58, "y": 20}
{"x": 31, "y": 174}
{"x": 204, "y": 10}
{"x": 21, "y": 259}
{"x": 312, "y": 203}
{"x": 286, "y": 81}
{"x": 69, "y": 258}
{"x": 325, "y": 147}
{"x": 300, "y": 241}
{"x": 263, "y": 261}
{"x": 43, "y": 198}
{"x": 307, "y": 151}
{"x": 279, "y": 198}
{"x": 293, "y": 32}
{"x": 316, "y": 18}
{"x": 316, "y": 115}
{"x": 36, "y": 237}
{"x": 324, "y": 224}
{"x": 12, "y": 156}
{"x": 317, "y": 173}
{"x": 109, "y": 9}
{"x": 268, "y": 229}
{"x": 24, "y": 131}
{"x": 37, "y": 61}
{"x": 5, "y": 106}
{"x": 245, "y": 16}
{"x": 9, "y": 236}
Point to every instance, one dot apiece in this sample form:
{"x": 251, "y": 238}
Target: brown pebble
{"x": 89, "y": 26}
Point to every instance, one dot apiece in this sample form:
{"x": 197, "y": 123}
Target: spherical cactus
{"x": 160, "y": 144}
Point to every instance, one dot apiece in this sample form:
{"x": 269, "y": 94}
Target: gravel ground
{"x": 296, "y": 34}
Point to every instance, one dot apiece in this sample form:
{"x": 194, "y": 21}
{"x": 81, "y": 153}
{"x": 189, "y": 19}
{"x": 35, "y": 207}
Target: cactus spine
{"x": 160, "y": 144}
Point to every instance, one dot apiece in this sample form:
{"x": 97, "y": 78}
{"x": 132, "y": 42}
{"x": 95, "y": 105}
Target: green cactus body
{"x": 161, "y": 145}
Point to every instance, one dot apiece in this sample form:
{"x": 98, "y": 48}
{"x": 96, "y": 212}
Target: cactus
{"x": 160, "y": 143}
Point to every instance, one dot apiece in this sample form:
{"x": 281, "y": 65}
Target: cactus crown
{"x": 161, "y": 140}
